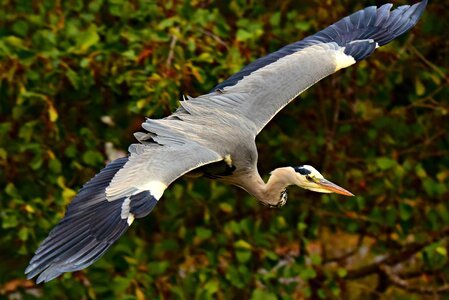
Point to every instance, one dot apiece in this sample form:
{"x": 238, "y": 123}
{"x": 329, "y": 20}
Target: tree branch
{"x": 171, "y": 51}
{"x": 405, "y": 285}
{"x": 347, "y": 254}
{"x": 406, "y": 252}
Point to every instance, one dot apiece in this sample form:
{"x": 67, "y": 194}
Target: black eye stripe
{"x": 301, "y": 170}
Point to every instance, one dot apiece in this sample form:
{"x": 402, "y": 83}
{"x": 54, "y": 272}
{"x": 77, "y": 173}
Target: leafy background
{"x": 78, "y": 77}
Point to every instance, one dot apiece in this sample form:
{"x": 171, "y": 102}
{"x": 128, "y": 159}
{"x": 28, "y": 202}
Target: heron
{"x": 213, "y": 135}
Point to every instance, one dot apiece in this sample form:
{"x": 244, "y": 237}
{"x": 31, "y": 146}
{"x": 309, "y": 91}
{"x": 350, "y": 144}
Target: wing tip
{"x": 389, "y": 25}
{"x": 74, "y": 242}
{"x": 81, "y": 255}
{"x": 45, "y": 274}
{"x": 53, "y": 258}
{"x": 341, "y": 35}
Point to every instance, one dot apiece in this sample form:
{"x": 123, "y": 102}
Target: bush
{"x": 78, "y": 77}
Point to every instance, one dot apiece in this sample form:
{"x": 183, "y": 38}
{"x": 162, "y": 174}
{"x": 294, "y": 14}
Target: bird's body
{"x": 214, "y": 135}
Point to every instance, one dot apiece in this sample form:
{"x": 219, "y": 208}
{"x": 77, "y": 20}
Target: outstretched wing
{"x": 106, "y": 206}
{"x": 264, "y": 87}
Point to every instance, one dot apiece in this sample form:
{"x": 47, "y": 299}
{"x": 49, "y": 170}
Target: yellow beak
{"x": 332, "y": 187}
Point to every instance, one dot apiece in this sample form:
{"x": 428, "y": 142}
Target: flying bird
{"x": 214, "y": 135}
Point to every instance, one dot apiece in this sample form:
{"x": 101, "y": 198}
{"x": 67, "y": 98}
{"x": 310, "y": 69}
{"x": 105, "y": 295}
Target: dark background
{"x": 78, "y": 77}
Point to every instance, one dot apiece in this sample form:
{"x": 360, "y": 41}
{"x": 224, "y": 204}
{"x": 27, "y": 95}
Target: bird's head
{"x": 309, "y": 178}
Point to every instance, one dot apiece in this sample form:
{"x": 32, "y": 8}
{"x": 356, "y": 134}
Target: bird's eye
{"x": 309, "y": 178}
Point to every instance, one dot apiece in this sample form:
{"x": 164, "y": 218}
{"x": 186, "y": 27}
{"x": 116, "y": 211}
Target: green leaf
{"x": 307, "y": 273}
{"x": 405, "y": 211}
{"x": 68, "y": 194}
{"x": 92, "y": 157}
{"x": 11, "y": 190}
{"x": 342, "y": 272}
{"x": 385, "y": 163}
{"x": 441, "y": 250}
{"x": 14, "y": 41}
{"x": 241, "y": 244}
{"x": 301, "y": 226}
{"x": 73, "y": 77}
{"x": 158, "y": 267}
{"x": 225, "y": 207}
{"x": 433, "y": 188}
{"x": 20, "y": 27}
{"x": 36, "y": 162}
{"x": 243, "y": 35}
{"x": 27, "y": 130}
{"x": 9, "y": 221}
{"x": 259, "y": 294}
{"x": 3, "y": 154}
{"x": 87, "y": 39}
{"x": 243, "y": 256}
{"x": 52, "y": 113}
{"x": 316, "y": 259}
{"x": 419, "y": 87}
{"x": 23, "y": 233}
{"x": 302, "y": 25}
{"x": 211, "y": 287}
{"x": 203, "y": 233}
{"x": 55, "y": 166}
{"x": 275, "y": 18}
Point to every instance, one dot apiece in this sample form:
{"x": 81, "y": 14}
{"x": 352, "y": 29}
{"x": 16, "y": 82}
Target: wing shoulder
{"x": 153, "y": 167}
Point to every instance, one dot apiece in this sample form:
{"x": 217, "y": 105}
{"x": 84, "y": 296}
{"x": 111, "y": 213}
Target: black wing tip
{"x": 44, "y": 277}
{"x": 421, "y": 7}
{"x": 76, "y": 244}
{"x": 83, "y": 251}
{"x": 389, "y": 25}
{"x": 340, "y": 33}
{"x": 76, "y": 241}
{"x": 413, "y": 15}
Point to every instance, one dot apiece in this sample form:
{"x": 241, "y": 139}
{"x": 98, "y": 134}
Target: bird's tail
{"x": 90, "y": 226}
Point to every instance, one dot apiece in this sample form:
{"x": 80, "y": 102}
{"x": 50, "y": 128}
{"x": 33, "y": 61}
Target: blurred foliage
{"x": 78, "y": 77}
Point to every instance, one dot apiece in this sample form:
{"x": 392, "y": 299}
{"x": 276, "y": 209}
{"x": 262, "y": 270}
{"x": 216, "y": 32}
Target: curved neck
{"x": 271, "y": 192}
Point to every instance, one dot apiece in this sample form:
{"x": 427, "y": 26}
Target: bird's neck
{"x": 272, "y": 193}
